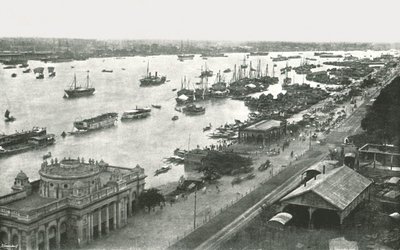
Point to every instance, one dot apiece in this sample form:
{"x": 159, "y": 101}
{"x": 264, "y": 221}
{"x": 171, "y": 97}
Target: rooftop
{"x": 30, "y": 202}
{"x": 70, "y": 168}
{"x": 380, "y": 149}
{"x": 339, "y": 187}
{"x": 264, "y": 125}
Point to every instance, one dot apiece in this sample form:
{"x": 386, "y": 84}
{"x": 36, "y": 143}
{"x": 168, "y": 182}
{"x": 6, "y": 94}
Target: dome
{"x": 78, "y": 184}
{"x": 21, "y": 176}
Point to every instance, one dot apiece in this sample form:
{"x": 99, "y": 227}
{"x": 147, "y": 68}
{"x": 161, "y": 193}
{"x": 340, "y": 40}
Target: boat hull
{"x": 71, "y": 93}
{"x": 134, "y": 116}
{"x": 152, "y": 82}
{"x": 96, "y": 123}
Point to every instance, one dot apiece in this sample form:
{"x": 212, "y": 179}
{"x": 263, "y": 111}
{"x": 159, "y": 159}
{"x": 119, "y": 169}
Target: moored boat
{"x": 51, "y": 71}
{"x": 79, "y": 91}
{"x": 175, "y": 117}
{"x": 107, "y": 71}
{"x": 23, "y": 141}
{"x": 7, "y": 117}
{"x": 156, "y": 106}
{"x": 151, "y": 80}
{"x": 259, "y": 53}
{"x": 192, "y": 109}
{"x": 99, "y": 122}
{"x": 137, "y": 113}
{"x": 162, "y": 170}
{"x": 39, "y": 72}
{"x": 46, "y": 156}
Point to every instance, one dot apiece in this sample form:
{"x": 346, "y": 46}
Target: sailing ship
{"x": 279, "y": 58}
{"x": 206, "y": 73}
{"x": 219, "y": 88}
{"x": 185, "y": 95}
{"x": 38, "y": 72}
{"x": 137, "y": 113}
{"x": 287, "y": 79}
{"x": 51, "y": 71}
{"x": 99, "y": 122}
{"x": 192, "y": 109}
{"x": 7, "y": 116}
{"x": 213, "y": 54}
{"x": 259, "y": 53}
{"x": 79, "y": 91}
{"x": 151, "y": 80}
{"x": 23, "y": 141}
{"x": 182, "y": 57}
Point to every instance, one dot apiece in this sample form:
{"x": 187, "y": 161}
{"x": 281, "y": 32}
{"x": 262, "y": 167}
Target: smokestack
{"x": 323, "y": 169}
{"x": 156, "y": 73}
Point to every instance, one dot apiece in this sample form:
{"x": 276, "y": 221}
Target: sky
{"x": 246, "y": 20}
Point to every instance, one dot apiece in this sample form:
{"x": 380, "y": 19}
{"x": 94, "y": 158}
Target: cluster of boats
{"x": 109, "y": 119}
{"x": 39, "y": 71}
{"x": 227, "y": 131}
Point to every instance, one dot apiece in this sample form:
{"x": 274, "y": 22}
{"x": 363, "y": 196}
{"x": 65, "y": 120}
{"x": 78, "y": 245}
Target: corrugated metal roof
{"x": 264, "y": 125}
{"x": 339, "y": 187}
{"x": 282, "y": 218}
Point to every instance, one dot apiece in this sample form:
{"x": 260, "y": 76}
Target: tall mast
{"x": 273, "y": 70}
{"x": 74, "y": 80}
{"x": 147, "y": 68}
{"x": 286, "y": 70}
{"x": 87, "y": 79}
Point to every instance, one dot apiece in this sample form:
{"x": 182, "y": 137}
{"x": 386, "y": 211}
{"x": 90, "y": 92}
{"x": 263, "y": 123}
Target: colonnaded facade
{"x": 73, "y": 203}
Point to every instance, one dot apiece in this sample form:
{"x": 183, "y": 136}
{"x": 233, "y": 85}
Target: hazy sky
{"x": 279, "y": 20}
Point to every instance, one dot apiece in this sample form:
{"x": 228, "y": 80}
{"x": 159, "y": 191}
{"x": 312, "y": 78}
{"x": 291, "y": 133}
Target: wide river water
{"x": 39, "y": 102}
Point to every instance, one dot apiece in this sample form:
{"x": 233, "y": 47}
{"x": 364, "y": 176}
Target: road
{"x": 218, "y": 230}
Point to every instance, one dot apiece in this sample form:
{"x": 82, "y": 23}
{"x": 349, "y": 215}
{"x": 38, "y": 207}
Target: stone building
{"x": 262, "y": 132}
{"x": 73, "y": 203}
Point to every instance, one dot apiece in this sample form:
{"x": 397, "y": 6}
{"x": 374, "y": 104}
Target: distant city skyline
{"x": 250, "y": 20}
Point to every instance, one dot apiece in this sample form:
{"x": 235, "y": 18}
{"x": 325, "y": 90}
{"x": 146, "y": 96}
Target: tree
{"x": 151, "y": 198}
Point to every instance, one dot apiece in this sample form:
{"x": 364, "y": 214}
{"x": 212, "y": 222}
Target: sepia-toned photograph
{"x": 199, "y": 124}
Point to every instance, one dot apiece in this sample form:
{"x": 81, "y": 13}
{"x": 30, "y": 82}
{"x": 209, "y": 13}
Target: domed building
{"x": 73, "y": 203}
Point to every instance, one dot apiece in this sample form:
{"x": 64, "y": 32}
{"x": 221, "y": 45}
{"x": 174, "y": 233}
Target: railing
{"x": 65, "y": 202}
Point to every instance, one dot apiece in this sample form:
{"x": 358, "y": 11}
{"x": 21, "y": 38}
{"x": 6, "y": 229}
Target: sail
{"x": 50, "y": 69}
{"x": 38, "y": 70}
{"x": 7, "y": 114}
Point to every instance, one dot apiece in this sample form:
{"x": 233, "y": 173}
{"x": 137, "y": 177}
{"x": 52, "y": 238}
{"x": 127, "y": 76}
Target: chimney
{"x": 323, "y": 169}
{"x": 156, "y": 73}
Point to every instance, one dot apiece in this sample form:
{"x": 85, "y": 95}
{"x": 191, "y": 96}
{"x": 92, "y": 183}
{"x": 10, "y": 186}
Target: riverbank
{"x": 160, "y": 228}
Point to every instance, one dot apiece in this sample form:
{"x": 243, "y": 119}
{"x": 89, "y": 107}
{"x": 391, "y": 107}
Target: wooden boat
{"x": 162, "y": 170}
{"x": 46, "y": 156}
{"x": 7, "y": 117}
{"x": 156, "y": 106}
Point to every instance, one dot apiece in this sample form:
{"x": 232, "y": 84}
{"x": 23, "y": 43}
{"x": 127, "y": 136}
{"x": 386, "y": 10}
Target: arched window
{"x": 4, "y": 237}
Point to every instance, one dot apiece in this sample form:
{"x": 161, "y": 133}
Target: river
{"x": 39, "y": 102}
